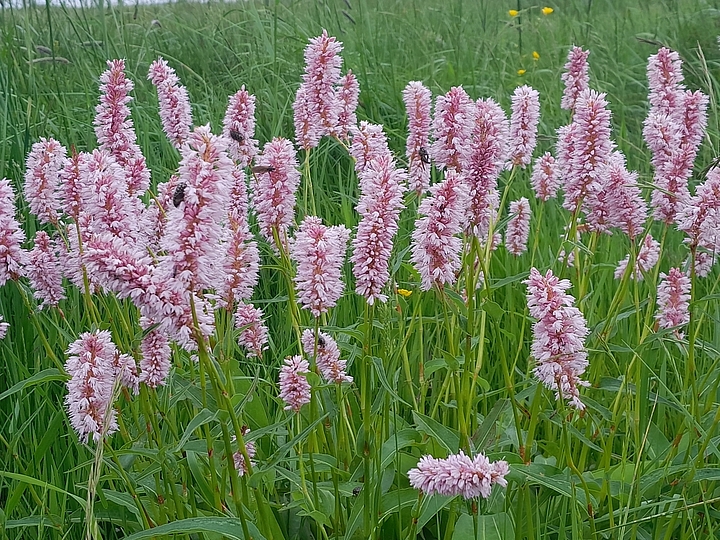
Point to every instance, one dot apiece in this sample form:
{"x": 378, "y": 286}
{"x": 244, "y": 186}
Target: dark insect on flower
{"x": 236, "y": 136}
{"x": 259, "y": 169}
{"x": 321, "y": 341}
{"x": 424, "y": 157}
{"x": 356, "y": 491}
{"x": 179, "y": 195}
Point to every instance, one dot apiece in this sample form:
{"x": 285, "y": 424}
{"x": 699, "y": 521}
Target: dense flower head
{"x": 308, "y": 131}
{"x": 12, "y": 256}
{"x": 699, "y": 216}
{"x": 436, "y": 246}
{"x": 43, "y": 271}
{"x": 114, "y": 127}
{"x": 241, "y": 264}
{"x": 348, "y": 96}
{"x": 518, "y": 228}
{"x": 42, "y": 178}
{"x": 253, "y": 332}
{"x": 155, "y": 363}
{"x": 452, "y": 127}
{"x": 558, "y": 336}
{"x": 545, "y": 179}
{"x": 523, "y": 125}
{"x": 319, "y": 252}
{"x": 458, "y": 474}
{"x": 673, "y": 299}
{"x": 645, "y": 261}
{"x": 70, "y": 188}
{"x": 274, "y": 190}
{"x": 239, "y": 127}
{"x": 294, "y": 386}
{"x": 483, "y": 160}
{"x": 193, "y": 230}
{"x": 175, "y": 111}
{"x": 91, "y": 366}
{"x": 576, "y": 77}
{"x": 590, "y": 148}
{"x": 418, "y": 104}
{"x": 326, "y": 352}
{"x": 380, "y": 204}
{"x": 368, "y": 142}
{"x": 664, "y": 72}
{"x": 238, "y": 457}
{"x": 626, "y": 208}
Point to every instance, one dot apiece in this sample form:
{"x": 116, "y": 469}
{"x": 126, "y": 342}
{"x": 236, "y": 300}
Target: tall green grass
{"x": 640, "y": 463}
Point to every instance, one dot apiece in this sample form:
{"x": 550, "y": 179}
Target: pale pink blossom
{"x": 627, "y": 210}
{"x": 91, "y": 366}
{"x": 155, "y": 363}
{"x": 308, "y": 131}
{"x": 319, "y": 253}
{"x": 699, "y": 217}
{"x": 274, "y": 191}
{"x": 418, "y": 104}
{"x": 452, "y": 128}
{"x": 238, "y": 457}
{"x": 70, "y": 190}
{"x": 482, "y": 162}
{"x": 42, "y": 179}
{"x": 193, "y": 230}
{"x": 576, "y": 77}
{"x": 523, "y": 126}
{"x": 239, "y": 127}
{"x": 43, "y": 271}
{"x": 545, "y": 179}
{"x": 673, "y": 299}
{"x": 12, "y": 256}
{"x": 518, "y": 228}
{"x": 558, "y": 336}
{"x": 253, "y": 332}
{"x": 126, "y": 372}
{"x": 380, "y": 203}
{"x": 664, "y": 73}
{"x": 175, "y": 111}
{"x": 368, "y": 142}
{"x": 326, "y": 352}
{"x": 436, "y": 245}
{"x": 458, "y": 474}
{"x": 241, "y": 266}
{"x": 348, "y": 95}
{"x": 704, "y": 262}
{"x": 646, "y": 260}
{"x": 294, "y": 386}
{"x": 114, "y": 127}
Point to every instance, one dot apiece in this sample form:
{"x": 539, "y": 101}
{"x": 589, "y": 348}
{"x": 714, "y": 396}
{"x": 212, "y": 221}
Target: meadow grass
{"x": 641, "y": 462}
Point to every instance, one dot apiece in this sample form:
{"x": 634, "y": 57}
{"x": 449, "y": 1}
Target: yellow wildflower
{"x": 547, "y": 10}
{"x": 404, "y": 292}
{"x": 536, "y": 55}
{"x": 513, "y": 12}
{"x": 521, "y": 72}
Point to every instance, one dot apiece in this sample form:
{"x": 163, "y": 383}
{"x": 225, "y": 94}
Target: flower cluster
{"x": 175, "y": 112}
{"x": 418, "y": 102}
{"x": 326, "y": 352}
{"x": 673, "y": 299}
{"x": 294, "y": 386}
{"x": 523, "y": 126}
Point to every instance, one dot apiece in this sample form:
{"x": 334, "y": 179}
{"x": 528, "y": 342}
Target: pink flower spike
{"x": 155, "y": 364}
{"x": 518, "y": 228}
{"x": 114, "y": 127}
{"x": 418, "y": 104}
{"x": 523, "y": 126}
{"x": 348, "y": 95}
{"x": 12, "y": 256}
{"x": 576, "y": 77}
{"x": 274, "y": 191}
{"x": 458, "y": 474}
{"x": 664, "y": 72}
{"x": 627, "y": 210}
{"x": 253, "y": 332}
{"x": 452, "y": 128}
{"x": 70, "y": 195}
{"x": 436, "y": 246}
{"x": 175, "y": 112}
{"x": 673, "y": 299}
{"x": 646, "y": 260}
{"x": 327, "y": 356}
{"x": 319, "y": 253}
{"x": 42, "y": 179}
{"x": 545, "y": 179}
{"x": 239, "y": 127}
{"x": 294, "y": 386}
{"x": 368, "y": 142}
{"x": 699, "y": 217}
{"x": 558, "y": 336}
{"x": 238, "y": 457}
{"x": 43, "y": 271}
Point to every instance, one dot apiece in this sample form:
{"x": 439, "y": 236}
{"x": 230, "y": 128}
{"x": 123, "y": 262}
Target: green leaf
{"x": 380, "y": 370}
{"x": 442, "y": 435}
{"x": 231, "y": 528}
{"x": 430, "y": 507}
{"x": 50, "y": 374}
{"x": 201, "y": 418}
{"x": 489, "y": 527}
{"x": 35, "y": 482}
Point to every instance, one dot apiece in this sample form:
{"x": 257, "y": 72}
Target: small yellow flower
{"x": 521, "y": 72}
{"x": 404, "y": 292}
{"x": 513, "y": 12}
{"x": 547, "y": 10}
{"x": 536, "y": 55}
